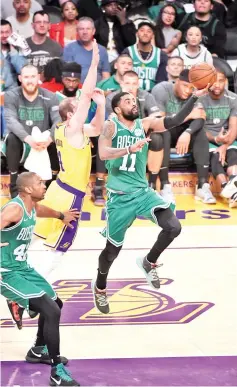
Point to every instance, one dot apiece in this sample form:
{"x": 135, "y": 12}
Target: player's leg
{"x": 229, "y": 190}
{"x": 50, "y": 316}
{"x": 155, "y": 157}
{"x": 153, "y": 207}
{"x": 200, "y": 149}
{"x": 120, "y": 215}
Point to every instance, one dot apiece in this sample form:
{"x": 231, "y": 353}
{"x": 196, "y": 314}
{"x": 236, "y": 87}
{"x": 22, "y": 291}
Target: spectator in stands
{"x": 43, "y": 49}
{"x": 53, "y": 75}
{"x": 190, "y": 135}
{"x": 113, "y": 29}
{"x": 147, "y": 106}
{"x": 7, "y": 8}
{"x": 231, "y": 18}
{"x": 154, "y": 10}
{"x": 21, "y": 19}
{"x": 89, "y": 8}
{"x": 25, "y": 107}
{"x": 213, "y": 31}
{"x": 122, "y": 64}
{"x": 148, "y": 60}
{"x": 66, "y": 31}
{"x": 81, "y": 50}
{"x": 166, "y": 37}
{"x": 193, "y": 52}
{"x": 221, "y": 130}
{"x": 174, "y": 67}
{"x": 12, "y": 57}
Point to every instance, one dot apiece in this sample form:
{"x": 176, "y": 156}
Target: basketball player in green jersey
{"x": 149, "y": 61}
{"x": 124, "y": 146}
{"x": 22, "y": 284}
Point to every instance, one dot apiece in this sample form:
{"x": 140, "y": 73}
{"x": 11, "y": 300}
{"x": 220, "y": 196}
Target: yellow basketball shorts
{"x": 61, "y": 197}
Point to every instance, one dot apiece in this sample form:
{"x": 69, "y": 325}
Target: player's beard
{"x": 131, "y": 116}
{"x": 30, "y": 90}
{"x": 70, "y": 93}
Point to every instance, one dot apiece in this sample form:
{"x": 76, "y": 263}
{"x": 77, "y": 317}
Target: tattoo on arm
{"x": 108, "y": 130}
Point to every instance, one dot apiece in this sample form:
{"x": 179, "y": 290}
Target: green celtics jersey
{"x": 128, "y": 173}
{"x": 145, "y": 68}
{"x": 14, "y": 255}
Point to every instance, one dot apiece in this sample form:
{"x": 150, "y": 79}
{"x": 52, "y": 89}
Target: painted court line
{"x": 147, "y": 248}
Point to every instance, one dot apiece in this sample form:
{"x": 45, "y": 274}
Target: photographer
{"x": 14, "y": 50}
{"x": 113, "y": 29}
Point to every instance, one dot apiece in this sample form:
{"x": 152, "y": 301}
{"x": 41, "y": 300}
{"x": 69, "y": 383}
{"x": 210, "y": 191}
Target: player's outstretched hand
{"x": 139, "y": 145}
{"x": 98, "y": 96}
{"x": 69, "y": 216}
{"x": 96, "y": 53}
{"x": 201, "y": 92}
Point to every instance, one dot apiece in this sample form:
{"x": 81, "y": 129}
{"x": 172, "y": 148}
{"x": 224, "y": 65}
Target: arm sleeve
{"x": 195, "y": 126}
{"x": 171, "y": 122}
{"x": 161, "y": 74}
{"x": 11, "y": 116}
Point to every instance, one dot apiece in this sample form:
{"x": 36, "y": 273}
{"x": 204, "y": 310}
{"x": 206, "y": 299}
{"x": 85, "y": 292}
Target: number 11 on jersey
{"x": 126, "y": 159}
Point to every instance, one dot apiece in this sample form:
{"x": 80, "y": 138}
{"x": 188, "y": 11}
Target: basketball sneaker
{"x": 230, "y": 188}
{"x": 16, "y": 313}
{"x": 60, "y": 376}
{"x": 233, "y": 201}
{"x": 204, "y": 194}
{"x": 100, "y": 299}
{"x": 150, "y": 271}
{"x": 98, "y": 197}
{"x": 40, "y": 354}
{"x": 167, "y": 194}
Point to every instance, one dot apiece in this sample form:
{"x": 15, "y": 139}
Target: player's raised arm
{"x": 78, "y": 119}
{"x": 107, "y": 152}
{"x": 11, "y": 214}
{"x": 188, "y": 112}
{"x": 95, "y": 127}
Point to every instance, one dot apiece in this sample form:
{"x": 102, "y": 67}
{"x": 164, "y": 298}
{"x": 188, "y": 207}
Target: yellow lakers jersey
{"x": 75, "y": 164}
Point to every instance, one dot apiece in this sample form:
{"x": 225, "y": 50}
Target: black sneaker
{"x": 60, "y": 376}
{"x": 100, "y": 299}
{"x": 40, "y": 355}
{"x": 149, "y": 269}
{"x": 98, "y": 197}
{"x": 16, "y": 312}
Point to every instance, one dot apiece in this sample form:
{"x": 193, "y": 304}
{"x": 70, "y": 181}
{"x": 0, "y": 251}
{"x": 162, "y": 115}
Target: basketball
{"x": 202, "y": 74}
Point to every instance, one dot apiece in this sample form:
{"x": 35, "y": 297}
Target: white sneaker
{"x": 167, "y": 194}
{"x": 230, "y": 188}
{"x": 233, "y": 200}
{"x": 204, "y": 194}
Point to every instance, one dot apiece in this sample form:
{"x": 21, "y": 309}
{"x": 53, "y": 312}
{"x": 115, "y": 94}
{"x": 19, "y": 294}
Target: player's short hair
{"x": 5, "y": 23}
{"x": 66, "y": 107}
{"x": 42, "y": 13}
{"x": 130, "y": 73}
{"x": 116, "y": 99}
{"x": 28, "y": 66}
{"x": 221, "y": 71}
{"x": 124, "y": 55}
{"x": 24, "y": 180}
{"x": 175, "y": 57}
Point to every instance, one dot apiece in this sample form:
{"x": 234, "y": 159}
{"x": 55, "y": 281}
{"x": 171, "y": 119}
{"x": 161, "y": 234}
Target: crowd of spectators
{"x": 144, "y": 47}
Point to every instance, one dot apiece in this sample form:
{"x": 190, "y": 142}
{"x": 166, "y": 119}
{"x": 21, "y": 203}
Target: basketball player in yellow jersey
{"x": 74, "y": 152}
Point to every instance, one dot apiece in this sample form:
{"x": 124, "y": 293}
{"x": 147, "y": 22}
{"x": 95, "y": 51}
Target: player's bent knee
{"x": 46, "y": 306}
{"x": 173, "y": 227}
{"x": 156, "y": 144}
{"x": 231, "y": 157}
{"x": 112, "y": 251}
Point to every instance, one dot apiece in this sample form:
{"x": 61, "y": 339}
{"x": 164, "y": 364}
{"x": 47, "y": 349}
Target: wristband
{"x": 61, "y": 216}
